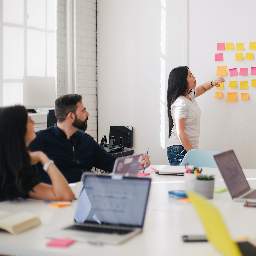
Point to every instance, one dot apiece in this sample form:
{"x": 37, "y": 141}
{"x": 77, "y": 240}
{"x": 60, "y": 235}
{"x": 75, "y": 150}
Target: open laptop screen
{"x": 232, "y": 173}
{"x": 113, "y": 200}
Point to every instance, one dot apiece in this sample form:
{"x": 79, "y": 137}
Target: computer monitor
{"x": 39, "y": 92}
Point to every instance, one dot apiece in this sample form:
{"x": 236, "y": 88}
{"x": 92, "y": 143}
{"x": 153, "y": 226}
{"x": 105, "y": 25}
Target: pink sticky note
{"x": 243, "y": 72}
{"x": 219, "y": 57}
{"x": 253, "y": 71}
{"x": 60, "y": 242}
{"x": 221, "y": 46}
{"x": 233, "y": 72}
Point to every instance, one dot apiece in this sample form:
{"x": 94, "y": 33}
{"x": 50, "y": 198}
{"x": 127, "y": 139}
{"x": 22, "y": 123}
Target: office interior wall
{"x": 138, "y": 43}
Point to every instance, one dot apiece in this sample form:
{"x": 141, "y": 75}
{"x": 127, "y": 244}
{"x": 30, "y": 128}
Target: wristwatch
{"x": 47, "y": 165}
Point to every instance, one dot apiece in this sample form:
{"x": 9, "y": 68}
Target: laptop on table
{"x": 234, "y": 177}
{"x": 110, "y": 209}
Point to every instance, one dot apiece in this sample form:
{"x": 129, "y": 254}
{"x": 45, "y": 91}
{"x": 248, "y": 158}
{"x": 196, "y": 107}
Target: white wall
{"x": 138, "y": 44}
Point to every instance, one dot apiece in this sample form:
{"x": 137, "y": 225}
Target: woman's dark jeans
{"x": 175, "y": 154}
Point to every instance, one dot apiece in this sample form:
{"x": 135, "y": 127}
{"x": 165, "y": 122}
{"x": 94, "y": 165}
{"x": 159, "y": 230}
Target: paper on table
{"x": 216, "y": 230}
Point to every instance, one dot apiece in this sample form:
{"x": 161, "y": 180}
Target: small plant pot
{"x": 190, "y": 179}
{"x": 205, "y": 188}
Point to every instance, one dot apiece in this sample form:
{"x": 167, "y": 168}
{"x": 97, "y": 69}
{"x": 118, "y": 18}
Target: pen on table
{"x": 144, "y": 164}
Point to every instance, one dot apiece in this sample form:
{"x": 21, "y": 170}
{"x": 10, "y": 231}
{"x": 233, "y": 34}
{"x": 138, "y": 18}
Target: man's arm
{"x": 103, "y": 160}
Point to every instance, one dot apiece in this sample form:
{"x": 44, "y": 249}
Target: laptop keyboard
{"x": 100, "y": 229}
{"x": 251, "y": 195}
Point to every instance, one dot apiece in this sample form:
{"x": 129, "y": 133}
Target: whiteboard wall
{"x": 223, "y": 125}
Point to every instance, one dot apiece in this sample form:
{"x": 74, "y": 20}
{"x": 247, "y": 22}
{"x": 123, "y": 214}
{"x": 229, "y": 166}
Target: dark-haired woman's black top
{"x": 10, "y": 189}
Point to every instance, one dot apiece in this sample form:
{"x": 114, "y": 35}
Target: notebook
{"x": 216, "y": 230}
{"x": 234, "y": 177}
{"x": 110, "y": 209}
{"x": 18, "y": 222}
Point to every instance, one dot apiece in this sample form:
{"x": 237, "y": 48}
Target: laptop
{"x": 128, "y": 165}
{"x": 110, "y": 209}
{"x": 234, "y": 177}
{"x": 216, "y": 230}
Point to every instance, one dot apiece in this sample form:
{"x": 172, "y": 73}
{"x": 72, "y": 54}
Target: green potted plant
{"x": 204, "y": 185}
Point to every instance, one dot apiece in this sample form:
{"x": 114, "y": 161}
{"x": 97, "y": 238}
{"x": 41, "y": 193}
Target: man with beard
{"x": 72, "y": 150}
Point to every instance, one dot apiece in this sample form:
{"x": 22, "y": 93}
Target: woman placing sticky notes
{"x": 183, "y": 112}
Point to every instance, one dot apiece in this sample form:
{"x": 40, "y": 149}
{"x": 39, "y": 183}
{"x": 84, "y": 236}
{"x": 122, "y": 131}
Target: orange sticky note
{"x": 239, "y": 56}
{"x": 222, "y": 71}
{"x": 244, "y": 85}
{"x": 249, "y": 56}
{"x": 240, "y": 46}
{"x": 219, "y": 95}
{"x": 230, "y": 46}
{"x": 245, "y": 96}
{"x": 232, "y": 84}
{"x": 252, "y": 46}
{"x": 253, "y": 83}
{"x": 232, "y": 97}
{"x": 60, "y": 204}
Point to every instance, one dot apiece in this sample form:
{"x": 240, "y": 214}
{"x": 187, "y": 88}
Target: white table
{"x": 166, "y": 221}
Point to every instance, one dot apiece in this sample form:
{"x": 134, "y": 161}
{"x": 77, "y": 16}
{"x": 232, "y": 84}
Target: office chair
{"x": 200, "y": 158}
{"x": 51, "y": 119}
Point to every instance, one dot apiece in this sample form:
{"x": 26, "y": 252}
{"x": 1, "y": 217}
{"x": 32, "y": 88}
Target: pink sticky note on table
{"x": 221, "y": 46}
{"x": 253, "y": 71}
{"x": 219, "y": 57}
{"x": 60, "y": 242}
{"x": 243, "y": 72}
{"x": 233, "y": 72}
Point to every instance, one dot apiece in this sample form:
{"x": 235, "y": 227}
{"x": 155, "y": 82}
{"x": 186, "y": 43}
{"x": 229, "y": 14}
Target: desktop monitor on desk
{"x": 39, "y": 92}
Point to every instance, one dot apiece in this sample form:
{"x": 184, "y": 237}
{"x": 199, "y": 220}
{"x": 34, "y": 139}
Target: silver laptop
{"x": 233, "y": 176}
{"x": 110, "y": 209}
{"x": 128, "y": 165}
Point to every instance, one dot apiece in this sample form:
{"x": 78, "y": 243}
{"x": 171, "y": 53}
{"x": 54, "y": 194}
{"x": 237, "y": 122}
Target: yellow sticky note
{"x": 245, "y": 96}
{"x": 60, "y": 204}
{"x": 221, "y": 86}
{"x": 239, "y": 56}
{"x": 249, "y": 56}
{"x": 214, "y": 225}
{"x": 222, "y": 71}
{"x": 253, "y": 83}
{"x": 232, "y": 84}
{"x": 232, "y": 97}
{"x": 252, "y": 45}
{"x": 219, "y": 95}
{"x": 244, "y": 85}
{"x": 240, "y": 46}
{"x": 230, "y": 46}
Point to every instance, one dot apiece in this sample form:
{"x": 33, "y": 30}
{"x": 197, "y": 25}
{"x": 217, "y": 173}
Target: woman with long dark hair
{"x": 17, "y": 177}
{"x": 183, "y": 112}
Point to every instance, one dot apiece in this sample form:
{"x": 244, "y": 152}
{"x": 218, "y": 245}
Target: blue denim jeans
{"x": 175, "y": 154}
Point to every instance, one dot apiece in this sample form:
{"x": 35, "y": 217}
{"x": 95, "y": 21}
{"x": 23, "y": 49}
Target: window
{"x": 27, "y": 44}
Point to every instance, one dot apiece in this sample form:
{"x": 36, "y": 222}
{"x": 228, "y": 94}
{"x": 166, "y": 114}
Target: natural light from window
{"x": 28, "y": 40}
